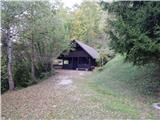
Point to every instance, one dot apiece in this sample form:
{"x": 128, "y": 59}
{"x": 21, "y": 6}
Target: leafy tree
{"x": 31, "y": 39}
{"x": 34, "y": 30}
{"x": 42, "y": 33}
{"x": 10, "y": 11}
{"x": 134, "y": 30}
{"x": 86, "y": 22}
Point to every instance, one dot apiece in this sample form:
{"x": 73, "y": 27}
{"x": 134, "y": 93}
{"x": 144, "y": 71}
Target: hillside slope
{"x": 127, "y": 90}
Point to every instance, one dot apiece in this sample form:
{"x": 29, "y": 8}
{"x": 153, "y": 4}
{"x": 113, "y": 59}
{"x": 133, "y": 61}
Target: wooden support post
{"x": 72, "y": 63}
{"x": 63, "y": 63}
{"x": 77, "y": 62}
{"x": 89, "y": 63}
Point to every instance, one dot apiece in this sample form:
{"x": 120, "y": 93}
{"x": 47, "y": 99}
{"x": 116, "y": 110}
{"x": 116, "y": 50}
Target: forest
{"x": 34, "y": 34}
{"x": 126, "y": 34}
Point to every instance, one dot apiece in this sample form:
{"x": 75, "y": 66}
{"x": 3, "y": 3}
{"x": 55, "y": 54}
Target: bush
{"x": 4, "y": 76}
{"x": 22, "y": 74}
{"x": 105, "y": 56}
{"x": 99, "y": 69}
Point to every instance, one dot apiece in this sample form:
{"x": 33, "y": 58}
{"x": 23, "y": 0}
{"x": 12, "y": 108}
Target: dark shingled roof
{"x": 91, "y": 51}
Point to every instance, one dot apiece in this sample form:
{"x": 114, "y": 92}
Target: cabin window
{"x": 66, "y": 62}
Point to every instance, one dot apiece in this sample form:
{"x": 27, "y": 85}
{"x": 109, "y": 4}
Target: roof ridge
{"x": 90, "y": 50}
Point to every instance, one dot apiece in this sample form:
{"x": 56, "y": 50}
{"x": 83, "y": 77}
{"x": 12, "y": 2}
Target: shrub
{"x": 4, "y": 76}
{"x": 105, "y": 56}
{"x": 22, "y": 74}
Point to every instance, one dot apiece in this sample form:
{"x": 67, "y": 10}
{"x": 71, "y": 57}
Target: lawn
{"x": 126, "y": 91}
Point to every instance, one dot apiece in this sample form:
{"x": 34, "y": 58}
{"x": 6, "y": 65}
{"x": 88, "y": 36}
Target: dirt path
{"x": 59, "y": 97}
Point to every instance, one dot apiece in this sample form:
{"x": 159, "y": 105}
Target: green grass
{"x": 125, "y": 90}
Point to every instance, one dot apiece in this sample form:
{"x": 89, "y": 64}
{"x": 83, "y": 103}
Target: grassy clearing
{"x": 125, "y": 90}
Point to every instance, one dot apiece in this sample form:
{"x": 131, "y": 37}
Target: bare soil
{"x": 59, "y": 97}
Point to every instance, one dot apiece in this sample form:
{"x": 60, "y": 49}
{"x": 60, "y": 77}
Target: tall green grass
{"x": 120, "y": 76}
{"x": 126, "y": 89}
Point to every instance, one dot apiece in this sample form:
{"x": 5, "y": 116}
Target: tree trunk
{"x": 32, "y": 61}
{"x": 9, "y": 64}
{"x": 32, "y": 70}
{"x": 32, "y": 50}
{"x": 51, "y": 65}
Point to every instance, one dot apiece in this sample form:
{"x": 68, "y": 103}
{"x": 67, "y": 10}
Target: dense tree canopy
{"x": 134, "y": 30}
{"x": 85, "y": 23}
{"x": 35, "y": 33}
{"x": 31, "y": 39}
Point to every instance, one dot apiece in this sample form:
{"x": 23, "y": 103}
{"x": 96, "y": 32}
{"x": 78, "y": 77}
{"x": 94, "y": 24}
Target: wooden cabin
{"x": 81, "y": 56}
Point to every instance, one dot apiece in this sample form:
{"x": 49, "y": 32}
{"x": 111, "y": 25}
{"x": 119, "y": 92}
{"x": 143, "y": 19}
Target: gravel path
{"x": 60, "y": 97}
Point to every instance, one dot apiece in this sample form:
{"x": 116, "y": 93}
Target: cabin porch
{"x": 77, "y": 63}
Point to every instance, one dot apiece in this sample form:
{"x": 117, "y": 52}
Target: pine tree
{"x": 134, "y": 30}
